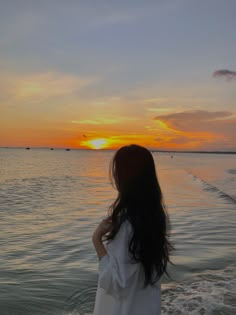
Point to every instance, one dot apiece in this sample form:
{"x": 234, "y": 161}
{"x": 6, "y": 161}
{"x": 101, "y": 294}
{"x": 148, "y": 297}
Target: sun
{"x": 99, "y": 143}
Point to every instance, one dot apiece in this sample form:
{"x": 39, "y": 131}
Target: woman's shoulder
{"x": 124, "y": 233}
{"x": 125, "y": 226}
{"x": 119, "y": 245}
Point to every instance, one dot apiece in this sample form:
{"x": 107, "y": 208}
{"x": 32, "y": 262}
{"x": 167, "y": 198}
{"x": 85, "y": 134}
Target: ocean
{"x": 52, "y": 200}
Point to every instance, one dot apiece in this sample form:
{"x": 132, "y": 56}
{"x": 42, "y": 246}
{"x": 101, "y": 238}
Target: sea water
{"x": 52, "y": 200}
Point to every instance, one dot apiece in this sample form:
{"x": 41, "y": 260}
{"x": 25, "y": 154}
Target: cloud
{"x": 160, "y": 109}
{"x": 104, "y": 121}
{"x": 50, "y": 84}
{"x": 194, "y": 120}
{"x": 87, "y": 122}
{"x": 154, "y": 100}
{"x": 176, "y": 140}
{"x": 200, "y": 129}
{"x": 16, "y": 87}
{"x": 227, "y": 74}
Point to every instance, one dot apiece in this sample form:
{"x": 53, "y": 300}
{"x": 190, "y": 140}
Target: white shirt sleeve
{"x": 116, "y": 269}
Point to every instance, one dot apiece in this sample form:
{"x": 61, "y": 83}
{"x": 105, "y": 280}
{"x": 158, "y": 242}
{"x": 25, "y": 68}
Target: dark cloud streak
{"x": 227, "y": 74}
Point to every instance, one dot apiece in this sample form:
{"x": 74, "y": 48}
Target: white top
{"x": 120, "y": 283}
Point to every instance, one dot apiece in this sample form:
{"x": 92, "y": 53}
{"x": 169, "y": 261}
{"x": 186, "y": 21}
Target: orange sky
{"x": 84, "y": 76}
{"x": 182, "y": 130}
{"x": 50, "y": 110}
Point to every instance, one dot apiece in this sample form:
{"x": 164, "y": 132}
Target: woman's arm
{"x": 101, "y": 230}
{"x": 99, "y": 247}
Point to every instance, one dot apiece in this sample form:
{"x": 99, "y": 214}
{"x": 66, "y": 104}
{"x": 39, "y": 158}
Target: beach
{"x": 52, "y": 200}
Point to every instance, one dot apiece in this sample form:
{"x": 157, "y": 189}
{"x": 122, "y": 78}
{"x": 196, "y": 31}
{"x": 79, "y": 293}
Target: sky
{"x": 107, "y": 73}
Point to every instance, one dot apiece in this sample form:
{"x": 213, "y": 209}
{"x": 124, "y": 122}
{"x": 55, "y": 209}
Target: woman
{"x": 137, "y": 249}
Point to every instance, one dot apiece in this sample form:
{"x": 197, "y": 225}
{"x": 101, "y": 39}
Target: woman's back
{"x": 121, "y": 281}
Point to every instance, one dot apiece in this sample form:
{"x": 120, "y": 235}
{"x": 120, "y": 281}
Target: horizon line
{"x": 114, "y": 149}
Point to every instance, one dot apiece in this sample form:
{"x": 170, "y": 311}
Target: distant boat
{"x": 27, "y": 148}
{"x": 67, "y": 149}
{"x": 52, "y": 149}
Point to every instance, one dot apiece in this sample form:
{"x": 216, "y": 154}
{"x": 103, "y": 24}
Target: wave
{"x": 211, "y": 292}
{"x": 212, "y": 188}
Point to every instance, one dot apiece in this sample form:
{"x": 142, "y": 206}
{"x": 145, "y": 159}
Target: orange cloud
{"x": 104, "y": 120}
{"x": 199, "y": 129}
{"x": 18, "y": 89}
{"x": 49, "y": 84}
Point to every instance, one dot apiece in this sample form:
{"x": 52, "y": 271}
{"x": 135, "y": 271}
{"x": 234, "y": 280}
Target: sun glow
{"x": 96, "y": 144}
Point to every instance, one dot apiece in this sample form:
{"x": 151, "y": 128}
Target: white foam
{"x": 211, "y": 293}
{"x": 215, "y": 295}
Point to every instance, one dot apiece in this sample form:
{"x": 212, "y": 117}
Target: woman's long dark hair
{"x": 140, "y": 201}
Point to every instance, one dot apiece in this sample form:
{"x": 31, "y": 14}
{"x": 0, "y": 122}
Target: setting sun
{"x": 96, "y": 144}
